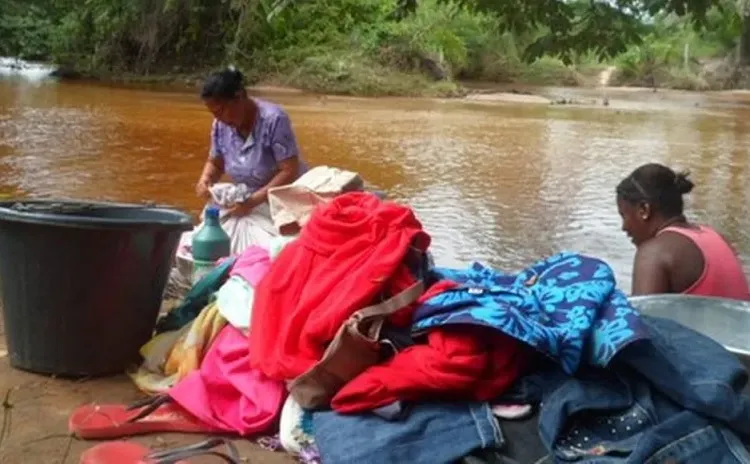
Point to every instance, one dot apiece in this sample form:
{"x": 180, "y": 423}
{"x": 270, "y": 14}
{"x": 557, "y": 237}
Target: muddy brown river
{"x": 504, "y": 183}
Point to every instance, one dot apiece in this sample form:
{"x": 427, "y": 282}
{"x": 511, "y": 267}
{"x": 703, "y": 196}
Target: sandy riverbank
{"x": 34, "y": 427}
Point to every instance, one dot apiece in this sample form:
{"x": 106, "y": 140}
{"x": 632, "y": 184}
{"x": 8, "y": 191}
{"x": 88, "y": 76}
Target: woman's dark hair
{"x": 223, "y": 85}
{"x": 657, "y": 185}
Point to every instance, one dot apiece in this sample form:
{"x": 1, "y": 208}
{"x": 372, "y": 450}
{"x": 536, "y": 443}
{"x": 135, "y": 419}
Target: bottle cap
{"x": 212, "y": 212}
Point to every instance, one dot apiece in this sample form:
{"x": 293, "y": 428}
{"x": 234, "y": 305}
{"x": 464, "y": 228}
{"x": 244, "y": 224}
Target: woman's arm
{"x": 212, "y": 172}
{"x": 650, "y": 270}
{"x": 214, "y": 167}
{"x": 287, "y": 174}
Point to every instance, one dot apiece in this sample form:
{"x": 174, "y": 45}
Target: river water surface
{"x": 501, "y": 183}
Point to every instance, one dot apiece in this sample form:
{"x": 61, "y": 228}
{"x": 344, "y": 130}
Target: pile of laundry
{"x": 343, "y": 343}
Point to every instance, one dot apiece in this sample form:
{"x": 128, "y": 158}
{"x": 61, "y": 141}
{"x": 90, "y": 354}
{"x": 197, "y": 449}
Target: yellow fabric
{"x": 171, "y": 356}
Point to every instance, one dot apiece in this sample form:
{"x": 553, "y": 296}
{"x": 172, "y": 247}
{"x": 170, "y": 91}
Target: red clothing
{"x": 350, "y": 250}
{"x": 469, "y": 362}
{"x": 722, "y": 272}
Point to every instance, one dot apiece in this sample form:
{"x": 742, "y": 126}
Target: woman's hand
{"x": 202, "y": 189}
{"x": 243, "y": 209}
{"x": 212, "y": 172}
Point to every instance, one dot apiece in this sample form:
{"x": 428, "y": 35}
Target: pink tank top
{"x": 722, "y": 273}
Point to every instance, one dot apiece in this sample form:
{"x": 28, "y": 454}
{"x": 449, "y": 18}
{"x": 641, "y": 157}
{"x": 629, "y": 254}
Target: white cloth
{"x": 512, "y": 411}
{"x": 235, "y": 297}
{"x": 235, "y": 302}
{"x": 226, "y": 195}
{"x": 291, "y": 434}
{"x": 279, "y": 243}
{"x": 246, "y": 231}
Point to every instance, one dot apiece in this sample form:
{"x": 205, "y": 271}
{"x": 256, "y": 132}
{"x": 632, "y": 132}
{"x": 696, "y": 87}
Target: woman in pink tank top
{"x": 673, "y": 255}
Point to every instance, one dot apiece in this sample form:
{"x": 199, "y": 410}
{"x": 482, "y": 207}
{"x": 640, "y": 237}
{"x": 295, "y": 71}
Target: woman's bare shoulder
{"x": 676, "y": 248}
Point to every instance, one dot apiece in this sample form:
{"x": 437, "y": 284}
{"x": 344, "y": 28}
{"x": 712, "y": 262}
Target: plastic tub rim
{"x": 7, "y": 213}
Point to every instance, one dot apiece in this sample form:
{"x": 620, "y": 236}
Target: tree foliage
{"x": 338, "y": 41}
{"x": 605, "y": 28}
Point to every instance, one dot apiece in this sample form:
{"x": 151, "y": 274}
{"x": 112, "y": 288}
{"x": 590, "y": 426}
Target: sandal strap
{"x": 176, "y": 458}
{"x": 204, "y": 448}
{"x": 149, "y": 405}
{"x": 149, "y": 400}
{"x": 201, "y": 445}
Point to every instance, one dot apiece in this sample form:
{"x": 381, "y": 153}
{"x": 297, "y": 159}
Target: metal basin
{"x": 726, "y": 321}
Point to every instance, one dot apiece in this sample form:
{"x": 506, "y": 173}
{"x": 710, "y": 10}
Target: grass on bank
{"x": 353, "y": 76}
{"x": 362, "y": 74}
{"x": 356, "y": 75}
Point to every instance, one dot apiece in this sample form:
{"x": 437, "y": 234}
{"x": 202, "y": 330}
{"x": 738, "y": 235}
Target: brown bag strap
{"x": 392, "y": 304}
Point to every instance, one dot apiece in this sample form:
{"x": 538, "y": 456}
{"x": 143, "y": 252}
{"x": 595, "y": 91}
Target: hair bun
{"x": 235, "y": 73}
{"x": 682, "y": 183}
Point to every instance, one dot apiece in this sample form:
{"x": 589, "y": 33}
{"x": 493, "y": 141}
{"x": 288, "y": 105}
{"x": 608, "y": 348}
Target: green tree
{"x": 571, "y": 28}
{"x": 25, "y": 29}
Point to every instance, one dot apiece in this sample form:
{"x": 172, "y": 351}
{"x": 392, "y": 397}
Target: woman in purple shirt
{"x": 251, "y": 141}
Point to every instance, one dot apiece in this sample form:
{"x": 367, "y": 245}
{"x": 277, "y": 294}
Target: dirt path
{"x": 606, "y": 75}
{"x": 33, "y": 428}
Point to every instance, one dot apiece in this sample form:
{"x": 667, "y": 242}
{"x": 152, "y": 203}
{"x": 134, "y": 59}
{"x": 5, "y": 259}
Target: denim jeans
{"x": 651, "y": 429}
{"x": 676, "y": 397}
{"x": 430, "y": 433}
{"x": 522, "y": 442}
{"x": 693, "y": 370}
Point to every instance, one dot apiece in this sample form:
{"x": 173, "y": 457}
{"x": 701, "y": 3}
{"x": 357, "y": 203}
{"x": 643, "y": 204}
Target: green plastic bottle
{"x": 210, "y": 244}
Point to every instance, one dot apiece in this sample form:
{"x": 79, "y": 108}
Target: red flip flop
{"x": 124, "y": 452}
{"x": 154, "y": 415}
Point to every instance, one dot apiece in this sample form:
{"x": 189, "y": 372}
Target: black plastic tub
{"x": 81, "y": 283}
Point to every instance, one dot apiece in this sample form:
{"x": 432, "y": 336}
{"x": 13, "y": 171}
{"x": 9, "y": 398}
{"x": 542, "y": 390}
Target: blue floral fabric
{"x": 566, "y": 306}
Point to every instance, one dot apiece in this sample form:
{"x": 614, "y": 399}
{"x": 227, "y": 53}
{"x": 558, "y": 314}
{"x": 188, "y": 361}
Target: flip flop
{"x": 124, "y": 452}
{"x": 152, "y": 415}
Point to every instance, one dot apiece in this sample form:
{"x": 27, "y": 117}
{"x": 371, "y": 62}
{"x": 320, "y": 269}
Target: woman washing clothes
{"x": 252, "y": 141}
{"x": 674, "y": 255}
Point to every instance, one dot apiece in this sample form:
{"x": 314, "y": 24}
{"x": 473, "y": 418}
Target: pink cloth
{"x": 227, "y": 393}
{"x": 722, "y": 272}
{"x": 252, "y": 265}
